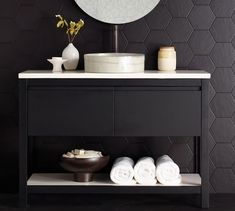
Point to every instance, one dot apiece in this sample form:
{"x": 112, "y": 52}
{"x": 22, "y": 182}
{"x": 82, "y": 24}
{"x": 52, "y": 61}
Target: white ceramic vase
{"x": 71, "y": 54}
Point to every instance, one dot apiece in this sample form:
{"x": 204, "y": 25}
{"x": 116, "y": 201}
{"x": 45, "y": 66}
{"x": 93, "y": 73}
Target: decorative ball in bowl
{"x": 83, "y": 163}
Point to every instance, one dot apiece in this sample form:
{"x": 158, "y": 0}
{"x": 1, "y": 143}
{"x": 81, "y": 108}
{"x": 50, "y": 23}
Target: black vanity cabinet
{"x": 75, "y": 111}
{"x": 113, "y": 107}
{"x": 153, "y": 112}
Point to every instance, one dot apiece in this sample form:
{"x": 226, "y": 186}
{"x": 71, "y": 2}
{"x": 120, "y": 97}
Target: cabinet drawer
{"x": 70, "y": 111}
{"x": 157, "y": 113}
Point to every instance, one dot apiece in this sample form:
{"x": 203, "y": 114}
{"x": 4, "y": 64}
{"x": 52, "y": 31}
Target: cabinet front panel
{"x": 157, "y": 113}
{"x": 70, "y": 111}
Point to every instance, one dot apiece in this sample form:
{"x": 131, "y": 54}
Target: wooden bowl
{"x": 83, "y": 168}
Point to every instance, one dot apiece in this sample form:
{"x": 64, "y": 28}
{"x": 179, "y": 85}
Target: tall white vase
{"x": 72, "y": 55}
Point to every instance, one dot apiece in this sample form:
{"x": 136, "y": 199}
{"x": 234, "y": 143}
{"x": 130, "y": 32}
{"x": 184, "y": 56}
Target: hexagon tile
{"x": 223, "y": 80}
{"x": 203, "y": 32}
{"x": 223, "y": 8}
{"x": 131, "y": 28}
{"x": 223, "y": 155}
{"x": 201, "y": 42}
{"x": 201, "y": 17}
{"x": 180, "y": 8}
{"x": 224, "y": 25}
{"x": 223, "y": 55}
{"x": 223, "y": 105}
{"x": 181, "y": 35}
{"x": 223, "y": 130}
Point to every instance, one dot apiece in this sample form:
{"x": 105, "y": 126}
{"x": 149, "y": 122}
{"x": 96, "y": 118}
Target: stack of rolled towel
{"x": 122, "y": 171}
{"x": 167, "y": 171}
{"x": 145, "y": 171}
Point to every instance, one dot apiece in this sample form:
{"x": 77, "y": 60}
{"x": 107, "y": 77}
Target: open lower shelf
{"x": 63, "y": 183}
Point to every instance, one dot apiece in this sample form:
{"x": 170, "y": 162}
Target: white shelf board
{"x": 66, "y": 179}
{"x": 153, "y": 74}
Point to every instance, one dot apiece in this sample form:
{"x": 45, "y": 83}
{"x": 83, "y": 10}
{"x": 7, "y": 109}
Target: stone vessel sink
{"x": 114, "y": 63}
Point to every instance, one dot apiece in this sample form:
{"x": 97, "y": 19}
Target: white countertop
{"x": 153, "y": 74}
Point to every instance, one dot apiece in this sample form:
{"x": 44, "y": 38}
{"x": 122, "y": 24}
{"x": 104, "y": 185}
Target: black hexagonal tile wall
{"x": 211, "y": 117}
{"x": 181, "y": 154}
{"x": 223, "y": 155}
{"x": 26, "y": 2}
{"x": 201, "y": 17}
{"x": 233, "y": 17}
{"x": 223, "y": 105}
{"x": 159, "y": 18}
{"x": 156, "y": 39}
{"x": 223, "y": 55}
{"x": 211, "y": 92}
{"x": 26, "y": 43}
{"x": 136, "y": 48}
{"x": 9, "y": 6}
{"x": 28, "y": 18}
{"x": 180, "y": 8}
{"x": 158, "y": 146}
{"x": 233, "y": 142}
{"x": 223, "y": 80}
{"x": 223, "y": 130}
{"x": 233, "y": 118}
{"x": 202, "y": 2}
{"x": 179, "y": 30}
{"x": 223, "y": 30}
{"x": 7, "y": 51}
{"x": 184, "y": 54}
{"x": 211, "y": 167}
{"x": 201, "y": 42}
{"x": 222, "y": 8}
{"x": 10, "y": 32}
{"x": 233, "y": 93}
{"x": 49, "y": 8}
{"x": 211, "y": 142}
{"x": 202, "y": 63}
{"x": 223, "y": 180}
{"x": 140, "y": 27}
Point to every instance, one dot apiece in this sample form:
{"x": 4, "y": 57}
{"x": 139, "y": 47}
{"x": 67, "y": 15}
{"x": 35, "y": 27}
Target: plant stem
{"x": 72, "y": 38}
{"x": 69, "y": 38}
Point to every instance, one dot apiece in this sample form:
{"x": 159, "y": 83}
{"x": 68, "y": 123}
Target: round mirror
{"x": 117, "y": 11}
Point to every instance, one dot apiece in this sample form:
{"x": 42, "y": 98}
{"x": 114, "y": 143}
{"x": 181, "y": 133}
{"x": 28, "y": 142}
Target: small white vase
{"x": 71, "y": 54}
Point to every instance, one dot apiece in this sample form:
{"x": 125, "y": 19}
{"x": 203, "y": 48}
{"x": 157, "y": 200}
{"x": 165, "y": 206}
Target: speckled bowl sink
{"x": 114, "y": 62}
{"x": 83, "y": 168}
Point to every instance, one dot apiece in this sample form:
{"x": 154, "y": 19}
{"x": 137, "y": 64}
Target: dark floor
{"x": 118, "y": 202}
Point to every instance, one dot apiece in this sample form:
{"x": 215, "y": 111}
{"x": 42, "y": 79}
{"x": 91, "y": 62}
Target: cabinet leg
{"x": 23, "y": 201}
{"x": 23, "y": 143}
{"x": 204, "y": 153}
{"x": 205, "y": 197}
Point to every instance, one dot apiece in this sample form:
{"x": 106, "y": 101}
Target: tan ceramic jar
{"x": 167, "y": 59}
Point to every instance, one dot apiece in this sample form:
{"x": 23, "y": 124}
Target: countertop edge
{"x": 180, "y": 74}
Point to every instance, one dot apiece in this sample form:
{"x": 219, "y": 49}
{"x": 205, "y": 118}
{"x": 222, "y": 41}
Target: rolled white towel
{"x": 122, "y": 171}
{"x": 145, "y": 171}
{"x": 167, "y": 171}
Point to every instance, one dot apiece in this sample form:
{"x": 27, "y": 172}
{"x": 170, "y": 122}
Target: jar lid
{"x": 168, "y": 48}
